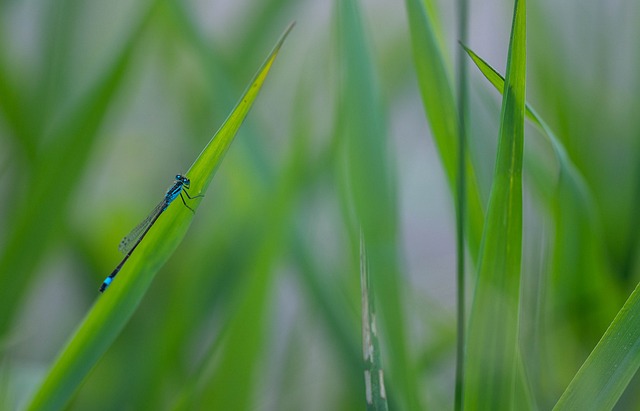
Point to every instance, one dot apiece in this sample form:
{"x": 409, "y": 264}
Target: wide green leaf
{"x": 492, "y": 345}
{"x": 113, "y": 309}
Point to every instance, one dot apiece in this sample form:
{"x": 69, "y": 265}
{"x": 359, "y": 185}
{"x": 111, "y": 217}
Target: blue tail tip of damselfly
{"x": 105, "y": 284}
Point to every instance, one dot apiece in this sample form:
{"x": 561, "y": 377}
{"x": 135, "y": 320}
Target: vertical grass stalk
{"x": 461, "y": 202}
{"x": 372, "y": 193}
{"x": 492, "y": 346}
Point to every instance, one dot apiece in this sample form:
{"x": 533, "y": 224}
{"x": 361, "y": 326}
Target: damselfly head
{"x": 184, "y": 180}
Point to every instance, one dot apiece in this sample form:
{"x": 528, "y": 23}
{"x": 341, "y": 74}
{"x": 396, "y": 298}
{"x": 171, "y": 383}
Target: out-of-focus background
{"x": 102, "y": 103}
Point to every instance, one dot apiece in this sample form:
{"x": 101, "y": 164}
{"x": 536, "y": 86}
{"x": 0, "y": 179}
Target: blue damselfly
{"x": 131, "y": 241}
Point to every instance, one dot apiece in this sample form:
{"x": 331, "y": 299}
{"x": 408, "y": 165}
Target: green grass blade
{"x": 233, "y": 381}
{"x": 461, "y": 200}
{"x": 203, "y": 169}
{"x": 113, "y": 309}
{"x": 371, "y": 193}
{"x": 376, "y": 396}
{"x": 441, "y": 111}
{"x": 497, "y": 81}
{"x": 492, "y": 352}
{"x": 606, "y": 373}
{"x": 579, "y": 267}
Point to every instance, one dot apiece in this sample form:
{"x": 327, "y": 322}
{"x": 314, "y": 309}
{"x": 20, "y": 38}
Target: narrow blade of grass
{"x": 371, "y": 192}
{"x": 461, "y": 200}
{"x": 606, "y": 373}
{"x": 496, "y": 79}
{"x": 492, "y": 354}
{"x": 113, "y": 309}
{"x": 373, "y": 372}
{"x": 440, "y": 108}
{"x": 203, "y": 169}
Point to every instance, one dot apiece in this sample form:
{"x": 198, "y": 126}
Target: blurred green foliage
{"x": 102, "y": 103}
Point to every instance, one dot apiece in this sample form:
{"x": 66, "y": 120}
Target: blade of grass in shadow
{"x": 441, "y": 111}
{"x": 326, "y": 298}
{"x": 60, "y": 22}
{"x": 111, "y": 312}
{"x": 16, "y": 111}
{"x": 321, "y": 290}
{"x": 371, "y": 192}
{"x": 24, "y": 111}
{"x": 54, "y": 179}
{"x": 229, "y": 380}
{"x": 492, "y": 354}
{"x": 615, "y": 360}
{"x": 376, "y": 396}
